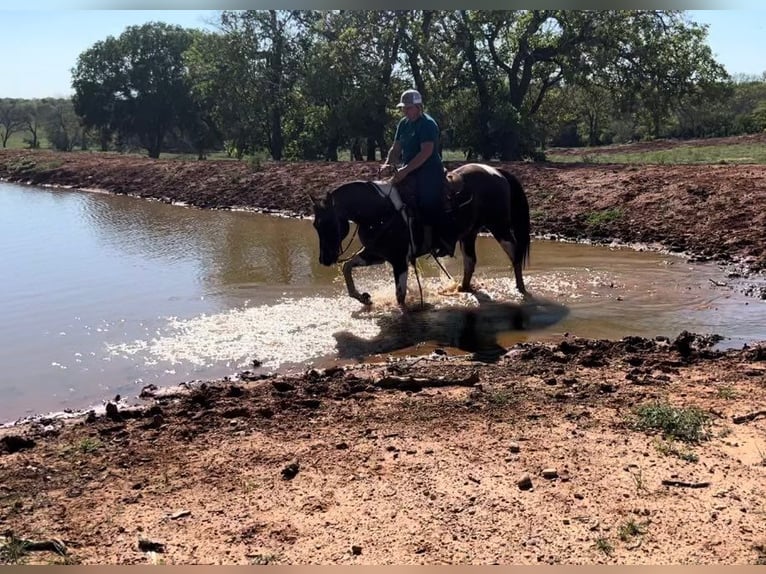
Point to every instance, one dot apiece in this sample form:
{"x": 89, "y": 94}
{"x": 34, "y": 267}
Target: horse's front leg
{"x": 400, "y": 280}
{"x": 361, "y": 259}
{"x": 468, "y": 249}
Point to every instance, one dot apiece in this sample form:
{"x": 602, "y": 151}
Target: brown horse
{"x": 484, "y": 197}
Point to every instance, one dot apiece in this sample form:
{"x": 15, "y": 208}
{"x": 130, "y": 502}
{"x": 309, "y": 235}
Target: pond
{"x": 102, "y": 295}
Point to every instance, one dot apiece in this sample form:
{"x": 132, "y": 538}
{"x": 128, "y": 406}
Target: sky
{"x": 40, "y": 47}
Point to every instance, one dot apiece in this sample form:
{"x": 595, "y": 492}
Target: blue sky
{"x": 41, "y": 46}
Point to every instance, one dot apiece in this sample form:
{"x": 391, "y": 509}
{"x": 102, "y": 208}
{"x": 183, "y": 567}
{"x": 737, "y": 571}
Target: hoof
{"x": 464, "y": 289}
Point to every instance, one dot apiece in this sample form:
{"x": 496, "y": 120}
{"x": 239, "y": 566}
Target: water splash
{"x": 290, "y": 331}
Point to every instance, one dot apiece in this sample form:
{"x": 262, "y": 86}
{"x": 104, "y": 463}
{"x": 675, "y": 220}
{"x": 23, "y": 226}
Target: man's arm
{"x": 426, "y": 149}
{"x": 394, "y": 153}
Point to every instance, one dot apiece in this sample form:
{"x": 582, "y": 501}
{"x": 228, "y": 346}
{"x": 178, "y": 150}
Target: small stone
{"x": 525, "y": 482}
{"x": 356, "y": 550}
{"x": 290, "y": 471}
{"x": 550, "y": 473}
{"x": 514, "y": 447}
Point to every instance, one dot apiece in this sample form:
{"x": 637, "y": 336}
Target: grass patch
{"x": 603, "y": 545}
{"x": 501, "y": 397}
{"x": 680, "y": 154}
{"x": 603, "y": 217}
{"x": 727, "y": 392}
{"x": 629, "y": 530}
{"x": 86, "y": 445}
{"x": 12, "y": 550}
{"x": 685, "y": 424}
{"x": 263, "y": 559}
{"x": 760, "y": 558}
{"x": 669, "y": 448}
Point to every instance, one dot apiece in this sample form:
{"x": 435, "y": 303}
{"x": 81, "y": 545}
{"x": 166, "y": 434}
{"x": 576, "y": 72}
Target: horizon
{"x": 737, "y": 39}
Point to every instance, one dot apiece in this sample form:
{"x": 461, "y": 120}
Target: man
{"x": 416, "y": 146}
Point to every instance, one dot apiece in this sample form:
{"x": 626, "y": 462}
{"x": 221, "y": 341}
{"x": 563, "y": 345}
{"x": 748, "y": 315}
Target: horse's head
{"x": 331, "y": 229}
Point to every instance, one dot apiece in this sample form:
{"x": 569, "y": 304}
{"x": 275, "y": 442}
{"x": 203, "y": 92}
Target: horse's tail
{"x": 519, "y": 218}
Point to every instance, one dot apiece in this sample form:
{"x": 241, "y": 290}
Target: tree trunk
{"x": 277, "y": 141}
{"x": 356, "y": 150}
{"x": 331, "y": 152}
{"x": 371, "y": 147}
{"x": 104, "y": 137}
{"x": 510, "y": 149}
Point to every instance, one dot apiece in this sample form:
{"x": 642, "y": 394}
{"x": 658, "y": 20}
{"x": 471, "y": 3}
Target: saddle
{"x": 453, "y": 188}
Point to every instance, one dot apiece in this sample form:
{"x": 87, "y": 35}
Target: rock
{"x": 282, "y": 387}
{"x": 180, "y": 514}
{"x": 236, "y": 412}
{"x": 356, "y": 550}
{"x": 550, "y": 473}
{"x": 146, "y": 545}
{"x": 15, "y": 443}
{"x": 290, "y": 471}
{"x": 525, "y": 482}
{"x": 112, "y": 412}
{"x": 514, "y": 447}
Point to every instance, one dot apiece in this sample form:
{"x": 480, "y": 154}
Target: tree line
{"x": 306, "y": 84}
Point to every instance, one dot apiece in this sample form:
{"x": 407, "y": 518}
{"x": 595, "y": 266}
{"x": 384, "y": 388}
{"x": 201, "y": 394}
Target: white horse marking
{"x": 401, "y": 287}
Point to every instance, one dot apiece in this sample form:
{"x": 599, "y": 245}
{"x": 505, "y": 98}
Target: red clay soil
{"x": 540, "y": 457}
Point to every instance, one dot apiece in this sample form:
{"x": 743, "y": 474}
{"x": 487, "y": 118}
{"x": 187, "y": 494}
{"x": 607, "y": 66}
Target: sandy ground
{"x": 540, "y": 457}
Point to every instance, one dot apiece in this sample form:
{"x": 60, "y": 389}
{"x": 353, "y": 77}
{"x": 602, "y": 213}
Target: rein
{"x": 350, "y": 241}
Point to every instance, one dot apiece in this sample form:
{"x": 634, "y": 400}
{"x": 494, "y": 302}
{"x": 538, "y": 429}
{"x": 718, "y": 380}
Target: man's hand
{"x": 399, "y": 176}
{"x": 386, "y": 169}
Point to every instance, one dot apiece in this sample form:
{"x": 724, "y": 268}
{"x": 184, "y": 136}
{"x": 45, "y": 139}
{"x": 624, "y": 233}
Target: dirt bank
{"x": 540, "y": 457}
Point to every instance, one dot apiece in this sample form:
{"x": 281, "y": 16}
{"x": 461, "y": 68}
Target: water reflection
{"x": 231, "y": 248}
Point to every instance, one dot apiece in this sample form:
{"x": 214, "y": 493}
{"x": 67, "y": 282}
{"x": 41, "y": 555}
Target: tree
{"x": 33, "y": 114}
{"x": 11, "y": 118}
{"x": 135, "y": 84}
{"x": 63, "y": 128}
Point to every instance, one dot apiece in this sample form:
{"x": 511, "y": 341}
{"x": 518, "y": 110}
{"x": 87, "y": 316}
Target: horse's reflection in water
{"x": 471, "y": 329}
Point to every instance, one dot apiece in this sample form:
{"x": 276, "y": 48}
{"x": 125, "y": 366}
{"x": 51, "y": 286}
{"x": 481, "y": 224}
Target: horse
{"x": 481, "y": 196}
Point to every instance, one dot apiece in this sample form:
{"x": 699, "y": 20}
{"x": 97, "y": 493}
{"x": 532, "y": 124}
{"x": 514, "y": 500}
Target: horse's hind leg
{"x": 504, "y": 236}
{"x": 361, "y": 259}
{"x": 468, "y": 249}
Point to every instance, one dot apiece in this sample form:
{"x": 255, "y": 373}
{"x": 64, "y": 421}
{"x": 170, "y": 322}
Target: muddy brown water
{"x": 104, "y": 294}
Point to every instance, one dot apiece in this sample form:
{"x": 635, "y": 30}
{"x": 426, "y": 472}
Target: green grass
{"x": 682, "y": 154}
{"x": 12, "y": 550}
{"x": 727, "y": 392}
{"x": 684, "y": 424}
{"x": 630, "y": 529}
{"x": 669, "y": 448}
{"x": 603, "y": 545}
{"x": 16, "y": 141}
{"x": 603, "y": 217}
